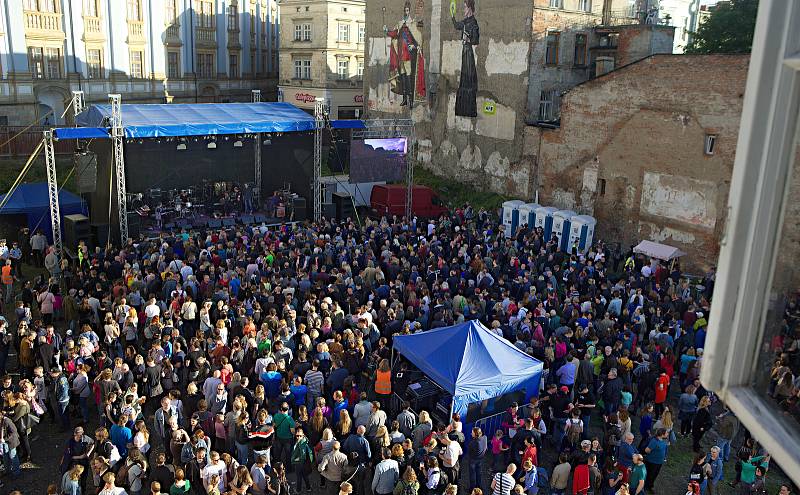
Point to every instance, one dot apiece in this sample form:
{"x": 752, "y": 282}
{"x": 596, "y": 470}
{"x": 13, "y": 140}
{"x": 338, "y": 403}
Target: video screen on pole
{"x": 373, "y": 160}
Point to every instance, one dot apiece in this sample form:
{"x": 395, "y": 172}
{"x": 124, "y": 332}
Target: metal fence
{"x": 490, "y": 424}
{"x": 21, "y": 141}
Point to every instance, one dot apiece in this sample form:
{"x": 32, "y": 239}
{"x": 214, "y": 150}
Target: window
{"x": 344, "y": 33}
{"x": 551, "y": 50}
{"x": 580, "y": 50}
{"x": 752, "y": 315}
{"x": 94, "y": 63}
{"x": 173, "y": 65}
{"x": 36, "y": 61}
{"x": 171, "y": 12}
{"x": 548, "y": 105}
{"x": 360, "y": 70}
{"x": 91, "y": 8}
{"x": 137, "y": 67}
{"x": 306, "y": 32}
{"x": 298, "y": 32}
{"x": 134, "y": 10}
{"x": 585, "y": 5}
{"x": 361, "y": 33}
{"x": 205, "y": 13}
{"x": 302, "y": 68}
{"x": 601, "y": 187}
{"x": 233, "y": 18}
{"x": 557, "y": 4}
{"x": 343, "y": 69}
{"x": 205, "y": 65}
{"x": 41, "y": 5}
{"x": 233, "y": 65}
{"x": 53, "y": 62}
{"x": 711, "y": 144}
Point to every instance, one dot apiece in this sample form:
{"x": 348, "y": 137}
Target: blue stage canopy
{"x": 81, "y": 133}
{"x": 471, "y": 362}
{"x": 207, "y": 119}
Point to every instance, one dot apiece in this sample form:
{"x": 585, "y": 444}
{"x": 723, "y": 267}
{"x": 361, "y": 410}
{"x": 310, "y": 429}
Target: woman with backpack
{"x": 302, "y": 458}
{"x": 573, "y": 430}
{"x": 408, "y": 484}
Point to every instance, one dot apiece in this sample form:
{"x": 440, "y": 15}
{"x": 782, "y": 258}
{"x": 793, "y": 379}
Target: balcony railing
{"x": 135, "y": 30}
{"x": 174, "y": 32}
{"x": 206, "y": 35}
{"x": 92, "y": 25}
{"x": 43, "y": 21}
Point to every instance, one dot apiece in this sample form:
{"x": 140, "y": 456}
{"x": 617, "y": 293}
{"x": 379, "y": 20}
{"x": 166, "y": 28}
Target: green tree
{"x": 729, "y": 29}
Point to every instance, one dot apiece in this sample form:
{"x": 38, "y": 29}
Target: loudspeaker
{"x": 299, "y": 209}
{"x": 228, "y": 222}
{"x": 329, "y": 210}
{"x": 99, "y": 235}
{"x": 76, "y": 229}
{"x": 214, "y": 223}
{"x": 134, "y": 225}
{"x": 259, "y": 218}
{"x": 86, "y": 165}
{"x": 246, "y": 219}
{"x": 344, "y": 205}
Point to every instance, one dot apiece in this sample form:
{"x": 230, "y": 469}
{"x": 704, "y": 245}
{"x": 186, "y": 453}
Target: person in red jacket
{"x": 662, "y": 387}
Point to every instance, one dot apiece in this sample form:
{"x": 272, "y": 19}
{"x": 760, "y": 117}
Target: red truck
{"x": 391, "y": 200}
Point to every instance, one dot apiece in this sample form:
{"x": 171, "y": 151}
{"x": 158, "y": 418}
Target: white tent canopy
{"x": 658, "y": 251}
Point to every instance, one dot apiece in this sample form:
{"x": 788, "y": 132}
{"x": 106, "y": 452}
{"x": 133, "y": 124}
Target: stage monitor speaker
{"x": 259, "y": 218}
{"x": 99, "y": 235}
{"x": 134, "y": 225}
{"x": 246, "y": 219}
{"x": 299, "y": 209}
{"x": 76, "y": 229}
{"x": 344, "y": 205}
{"x": 228, "y": 222}
{"x": 214, "y": 223}
{"x": 329, "y": 210}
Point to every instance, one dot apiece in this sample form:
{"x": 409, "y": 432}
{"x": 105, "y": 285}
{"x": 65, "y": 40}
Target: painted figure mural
{"x": 466, "y": 98}
{"x": 406, "y": 60}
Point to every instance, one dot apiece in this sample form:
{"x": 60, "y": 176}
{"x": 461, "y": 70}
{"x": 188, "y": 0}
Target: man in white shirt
{"x": 152, "y": 310}
{"x": 216, "y": 466}
{"x": 450, "y": 455}
{"x": 259, "y": 476}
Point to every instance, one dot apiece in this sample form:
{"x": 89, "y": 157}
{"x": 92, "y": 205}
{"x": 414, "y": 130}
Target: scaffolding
{"x": 316, "y": 187}
{"x": 257, "y": 151}
{"x": 117, "y": 136}
{"x": 52, "y": 193}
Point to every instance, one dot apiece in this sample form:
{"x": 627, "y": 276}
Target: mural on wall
{"x": 466, "y": 98}
{"x": 406, "y": 58}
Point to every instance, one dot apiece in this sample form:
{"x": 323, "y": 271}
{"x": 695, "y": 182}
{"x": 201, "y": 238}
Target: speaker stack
{"x": 344, "y": 205}
{"x": 299, "y": 208}
{"x": 76, "y": 229}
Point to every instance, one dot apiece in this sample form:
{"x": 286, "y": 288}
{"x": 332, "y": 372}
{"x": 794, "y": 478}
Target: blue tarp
{"x": 471, "y": 363}
{"x": 81, "y": 133}
{"x": 348, "y": 124}
{"x": 33, "y": 200}
{"x": 206, "y": 119}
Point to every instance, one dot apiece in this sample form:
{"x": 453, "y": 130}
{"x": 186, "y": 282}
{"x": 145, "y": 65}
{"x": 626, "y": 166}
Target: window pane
{"x": 777, "y": 375}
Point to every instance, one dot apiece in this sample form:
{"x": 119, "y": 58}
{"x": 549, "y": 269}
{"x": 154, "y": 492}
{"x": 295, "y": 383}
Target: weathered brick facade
{"x": 631, "y": 150}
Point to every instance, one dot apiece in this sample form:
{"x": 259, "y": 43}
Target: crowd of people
{"x": 253, "y": 361}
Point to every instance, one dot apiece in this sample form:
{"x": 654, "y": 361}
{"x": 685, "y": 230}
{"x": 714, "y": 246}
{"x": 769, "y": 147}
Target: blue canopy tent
{"x": 471, "y": 363}
{"x": 33, "y": 201}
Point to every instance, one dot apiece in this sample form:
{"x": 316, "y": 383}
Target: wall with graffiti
{"x": 458, "y": 68}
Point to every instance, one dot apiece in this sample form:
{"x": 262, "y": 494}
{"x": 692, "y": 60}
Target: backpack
{"x": 574, "y": 431}
{"x": 443, "y": 482}
{"x": 408, "y": 489}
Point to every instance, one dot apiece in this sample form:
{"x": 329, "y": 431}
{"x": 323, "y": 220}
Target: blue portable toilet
{"x": 561, "y": 226}
{"x": 527, "y": 215}
{"x": 544, "y": 220}
{"x": 581, "y": 232}
{"x": 511, "y": 216}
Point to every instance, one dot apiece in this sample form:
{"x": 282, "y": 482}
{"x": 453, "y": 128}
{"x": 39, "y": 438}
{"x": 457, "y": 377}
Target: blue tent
{"x": 471, "y": 363}
{"x": 33, "y": 201}
{"x": 201, "y": 119}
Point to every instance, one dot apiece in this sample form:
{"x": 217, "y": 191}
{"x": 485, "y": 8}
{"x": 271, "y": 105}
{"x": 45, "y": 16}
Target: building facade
{"x": 648, "y": 150}
{"x": 150, "y": 51}
{"x": 322, "y": 55}
{"x": 527, "y": 53}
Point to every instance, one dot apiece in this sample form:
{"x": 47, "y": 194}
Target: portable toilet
{"x": 527, "y": 215}
{"x": 561, "y": 226}
{"x": 511, "y": 216}
{"x": 544, "y": 220}
{"x": 581, "y": 232}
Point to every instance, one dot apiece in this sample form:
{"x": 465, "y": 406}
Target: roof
{"x": 658, "y": 251}
{"x": 470, "y": 362}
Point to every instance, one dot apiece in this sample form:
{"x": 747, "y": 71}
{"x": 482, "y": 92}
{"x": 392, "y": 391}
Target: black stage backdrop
{"x": 288, "y": 158}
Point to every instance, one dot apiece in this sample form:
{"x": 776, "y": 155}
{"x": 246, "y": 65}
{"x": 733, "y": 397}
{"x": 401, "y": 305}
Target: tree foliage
{"x": 729, "y": 29}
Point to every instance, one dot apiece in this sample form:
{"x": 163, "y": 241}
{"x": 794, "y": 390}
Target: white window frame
{"x": 298, "y": 32}
{"x": 710, "y": 144}
{"x": 585, "y": 5}
{"x": 362, "y": 33}
{"x": 302, "y": 68}
{"x": 344, "y": 32}
{"x": 343, "y": 69}
{"x": 307, "y": 31}
{"x": 94, "y": 68}
{"x": 360, "y": 69}
{"x": 177, "y": 73}
{"x": 749, "y": 246}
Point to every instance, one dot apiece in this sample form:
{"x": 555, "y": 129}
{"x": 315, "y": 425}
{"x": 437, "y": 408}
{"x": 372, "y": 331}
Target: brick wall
{"x": 630, "y": 151}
